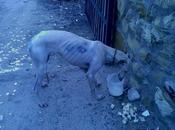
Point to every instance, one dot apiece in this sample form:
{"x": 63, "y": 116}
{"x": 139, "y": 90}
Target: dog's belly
{"x": 78, "y": 59}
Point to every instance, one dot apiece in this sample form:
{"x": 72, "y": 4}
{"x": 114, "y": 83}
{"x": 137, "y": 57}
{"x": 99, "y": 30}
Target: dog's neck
{"x": 110, "y": 54}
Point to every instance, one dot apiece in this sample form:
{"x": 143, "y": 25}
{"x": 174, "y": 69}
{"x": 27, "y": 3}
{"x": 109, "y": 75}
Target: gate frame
{"x": 102, "y": 15}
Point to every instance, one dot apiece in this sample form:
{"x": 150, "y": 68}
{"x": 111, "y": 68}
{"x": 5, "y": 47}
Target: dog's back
{"x": 75, "y": 49}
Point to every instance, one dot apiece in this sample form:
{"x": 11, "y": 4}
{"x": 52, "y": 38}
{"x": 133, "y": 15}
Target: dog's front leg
{"x": 93, "y": 84}
{"x": 91, "y": 79}
{"x": 95, "y": 65}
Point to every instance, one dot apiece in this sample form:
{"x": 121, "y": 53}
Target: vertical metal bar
{"x": 101, "y": 16}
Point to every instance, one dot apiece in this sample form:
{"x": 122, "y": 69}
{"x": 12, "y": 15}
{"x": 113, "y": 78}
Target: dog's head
{"x": 115, "y": 56}
{"x": 120, "y": 56}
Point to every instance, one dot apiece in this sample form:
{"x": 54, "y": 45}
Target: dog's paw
{"x": 44, "y": 84}
{"x": 98, "y": 85}
{"x": 100, "y": 97}
{"x": 43, "y": 105}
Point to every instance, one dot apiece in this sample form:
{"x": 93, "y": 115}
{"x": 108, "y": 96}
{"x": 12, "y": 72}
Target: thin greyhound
{"x": 78, "y": 51}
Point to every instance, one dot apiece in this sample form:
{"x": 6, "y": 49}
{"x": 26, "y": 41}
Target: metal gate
{"x": 102, "y": 17}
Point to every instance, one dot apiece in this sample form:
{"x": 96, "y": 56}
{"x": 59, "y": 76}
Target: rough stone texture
{"x": 147, "y": 31}
{"x": 133, "y": 94}
{"x": 170, "y": 87}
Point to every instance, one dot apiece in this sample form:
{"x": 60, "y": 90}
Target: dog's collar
{"x": 114, "y": 56}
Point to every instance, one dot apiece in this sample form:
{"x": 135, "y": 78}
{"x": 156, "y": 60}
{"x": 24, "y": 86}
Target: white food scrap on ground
{"x": 146, "y": 113}
{"x": 112, "y": 106}
{"x": 7, "y": 93}
{"x": 130, "y": 114}
{"x": 1, "y": 117}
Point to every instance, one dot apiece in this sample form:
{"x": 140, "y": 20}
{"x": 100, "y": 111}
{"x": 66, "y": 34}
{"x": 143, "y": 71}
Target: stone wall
{"x": 146, "y": 28}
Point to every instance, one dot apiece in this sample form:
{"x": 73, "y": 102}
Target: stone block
{"x": 165, "y": 3}
{"x": 133, "y": 44}
{"x": 119, "y": 42}
{"x": 145, "y": 55}
{"x": 133, "y": 82}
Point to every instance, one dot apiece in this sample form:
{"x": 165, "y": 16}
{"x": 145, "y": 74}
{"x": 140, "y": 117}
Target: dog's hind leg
{"x": 39, "y": 77}
{"x": 45, "y": 70}
{"x": 40, "y": 74}
{"x": 45, "y": 80}
{"x": 40, "y": 62}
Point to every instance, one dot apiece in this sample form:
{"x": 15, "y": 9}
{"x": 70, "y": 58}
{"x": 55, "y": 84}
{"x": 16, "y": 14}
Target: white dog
{"x": 77, "y": 50}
